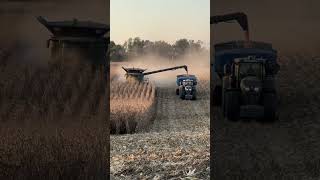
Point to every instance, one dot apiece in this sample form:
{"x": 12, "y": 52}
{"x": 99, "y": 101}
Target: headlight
{"x": 247, "y": 89}
{"x": 256, "y": 89}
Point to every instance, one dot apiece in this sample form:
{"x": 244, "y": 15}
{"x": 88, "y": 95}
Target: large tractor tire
{"x": 177, "y": 91}
{"x": 217, "y": 96}
{"x": 194, "y": 95}
{"x": 182, "y": 92}
{"x": 232, "y": 105}
{"x": 270, "y": 106}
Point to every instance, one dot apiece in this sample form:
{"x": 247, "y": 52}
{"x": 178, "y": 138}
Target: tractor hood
{"x": 251, "y": 83}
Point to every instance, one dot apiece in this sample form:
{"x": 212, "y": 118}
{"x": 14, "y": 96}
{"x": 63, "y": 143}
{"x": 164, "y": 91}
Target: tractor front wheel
{"x": 270, "y": 106}
{"x": 182, "y": 92}
{"x": 232, "y": 105}
{"x": 177, "y": 91}
{"x": 194, "y": 95}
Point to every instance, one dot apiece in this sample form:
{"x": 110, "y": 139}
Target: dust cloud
{"x": 198, "y": 65}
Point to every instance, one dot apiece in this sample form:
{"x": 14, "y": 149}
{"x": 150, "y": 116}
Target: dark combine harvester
{"x": 137, "y": 74}
{"x": 84, "y": 40}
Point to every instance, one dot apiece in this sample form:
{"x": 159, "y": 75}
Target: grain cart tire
{"x": 217, "y": 96}
{"x": 270, "y": 106}
{"x": 177, "y": 91}
{"x": 232, "y": 105}
{"x": 182, "y": 92}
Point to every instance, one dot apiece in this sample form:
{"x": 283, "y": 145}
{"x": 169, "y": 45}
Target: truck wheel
{"x": 270, "y": 106}
{"x": 217, "y": 96}
{"x": 232, "y": 105}
{"x": 177, "y": 91}
{"x": 181, "y": 92}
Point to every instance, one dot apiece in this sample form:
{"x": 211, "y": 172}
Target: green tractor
{"x": 244, "y": 75}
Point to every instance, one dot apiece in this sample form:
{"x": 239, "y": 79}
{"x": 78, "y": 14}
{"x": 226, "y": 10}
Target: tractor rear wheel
{"x": 270, "y": 106}
{"x": 232, "y": 105}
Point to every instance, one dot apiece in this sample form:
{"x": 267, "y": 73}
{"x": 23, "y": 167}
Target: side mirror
{"x": 227, "y": 69}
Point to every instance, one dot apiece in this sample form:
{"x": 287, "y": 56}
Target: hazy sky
{"x": 167, "y": 20}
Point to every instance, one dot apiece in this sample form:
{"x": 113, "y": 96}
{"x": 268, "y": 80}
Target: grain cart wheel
{"x": 270, "y": 106}
{"x": 217, "y": 96}
{"x": 182, "y": 92}
{"x": 232, "y": 105}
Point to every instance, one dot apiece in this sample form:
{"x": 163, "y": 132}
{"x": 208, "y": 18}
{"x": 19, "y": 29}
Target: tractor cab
{"x": 247, "y": 67}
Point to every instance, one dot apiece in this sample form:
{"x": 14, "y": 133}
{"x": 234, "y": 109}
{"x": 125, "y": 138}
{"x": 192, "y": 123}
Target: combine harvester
{"x": 76, "y": 39}
{"x": 137, "y": 74}
{"x": 244, "y": 75}
{"x": 186, "y": 83}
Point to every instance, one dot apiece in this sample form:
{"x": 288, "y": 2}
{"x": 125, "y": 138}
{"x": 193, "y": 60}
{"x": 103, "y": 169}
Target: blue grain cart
{"x": 186, "y": 86}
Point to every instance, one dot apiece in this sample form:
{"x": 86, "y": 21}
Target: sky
{"x": 167, "y": 20}
{"x": 290, "y": 25}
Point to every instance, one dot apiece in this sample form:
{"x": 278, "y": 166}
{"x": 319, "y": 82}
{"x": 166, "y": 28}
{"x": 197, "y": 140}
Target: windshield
{"x": 250, "y": 69}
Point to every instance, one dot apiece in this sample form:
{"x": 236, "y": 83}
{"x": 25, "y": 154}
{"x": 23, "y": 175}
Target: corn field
{"x": 53, "y": 121}
{"x": 132, "y": 106}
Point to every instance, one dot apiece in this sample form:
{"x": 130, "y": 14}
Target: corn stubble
{"x": 132, "y": 106}
{"x": 53, "y": 122}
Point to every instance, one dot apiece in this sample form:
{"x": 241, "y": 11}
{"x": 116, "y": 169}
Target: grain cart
{"x": 137, "y": 74}
{"x": 186, "y": 86}
{"x": 244, "y": 75}
{"x": 77, "y": 40}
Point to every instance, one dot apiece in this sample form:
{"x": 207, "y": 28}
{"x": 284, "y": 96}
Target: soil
{"x": 176, "y": 146}
{"x": 288, "y": 148}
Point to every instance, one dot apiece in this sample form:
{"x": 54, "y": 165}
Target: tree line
{"x": 135, "y": 47}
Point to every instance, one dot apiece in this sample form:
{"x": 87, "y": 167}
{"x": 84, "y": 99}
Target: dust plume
{"x": 198, "y": 65}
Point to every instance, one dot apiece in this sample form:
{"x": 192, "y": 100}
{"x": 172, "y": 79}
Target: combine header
{"x": 244, "y": 75}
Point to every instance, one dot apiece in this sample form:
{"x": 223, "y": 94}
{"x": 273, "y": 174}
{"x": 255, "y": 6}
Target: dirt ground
{"x": 175, "y": 147}
{"x": 286, "y": 149}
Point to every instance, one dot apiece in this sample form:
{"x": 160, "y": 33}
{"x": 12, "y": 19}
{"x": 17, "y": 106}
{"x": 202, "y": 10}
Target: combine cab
{"x": 244, "y": 75}
{"x": 186, "y": 86}
{"x": 77, "y": 40}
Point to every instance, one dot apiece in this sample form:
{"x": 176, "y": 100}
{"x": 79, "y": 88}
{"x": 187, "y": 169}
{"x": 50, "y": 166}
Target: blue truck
{"x": 186, "y": 86}
{"x": 243, "y": 79}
